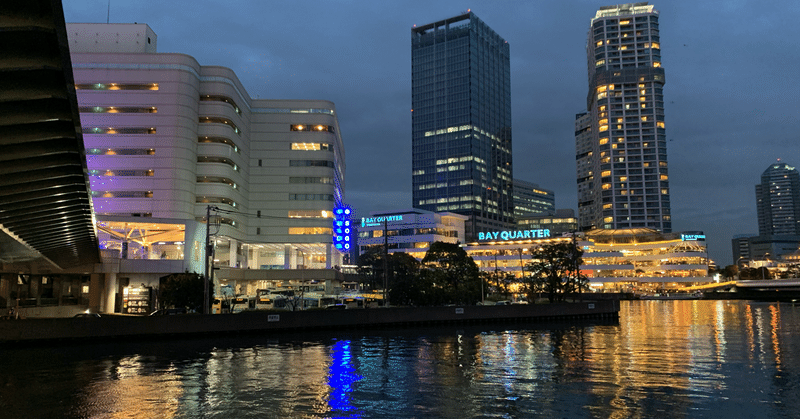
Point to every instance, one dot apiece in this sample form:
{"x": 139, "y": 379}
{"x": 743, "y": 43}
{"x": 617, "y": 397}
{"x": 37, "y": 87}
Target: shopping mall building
{"x": 613, "y": 260}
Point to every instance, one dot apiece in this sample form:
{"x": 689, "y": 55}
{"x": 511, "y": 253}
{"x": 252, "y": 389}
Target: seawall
{"x": 123, "y": 327}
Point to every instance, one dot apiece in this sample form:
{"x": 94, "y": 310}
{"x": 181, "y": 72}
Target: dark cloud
{"x": 731, "y": 99}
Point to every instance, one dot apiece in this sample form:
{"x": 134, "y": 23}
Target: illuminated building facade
{"x": 530, "y": 198}
{"x": 166, "y": 138}
{"x": 621, "y": 149}
{"x": 778, "y": 200}
{"x": 558, "y": 222}
{"x": 626, "y": 259}
{"x": 411, "y": 231}
{"x": 461, "y": 122}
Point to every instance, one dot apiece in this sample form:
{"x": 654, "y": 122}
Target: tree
{"x": 404, "y": 286}
{"x": 184, "y": 290}
{"x": 370, "y": 268}
{"x": 555, "y": 269}
{"x": 454, "y": 271}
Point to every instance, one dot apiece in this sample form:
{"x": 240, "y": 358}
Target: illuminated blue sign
{"x": 341, "y": 227}
{"x": 693, "y": 237}
{"x": 373, "y": 221}
{"x": 515, "y": 235}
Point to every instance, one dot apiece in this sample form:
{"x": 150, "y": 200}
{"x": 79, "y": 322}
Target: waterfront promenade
{"x": 117, "y": 327}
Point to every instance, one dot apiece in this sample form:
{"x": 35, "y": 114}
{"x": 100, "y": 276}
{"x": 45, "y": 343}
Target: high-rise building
{"x": 621, "y": 146}
{"x": 530, "y": 198}
{"x": 461, "y": 122}
{"x": 778, "y": 200}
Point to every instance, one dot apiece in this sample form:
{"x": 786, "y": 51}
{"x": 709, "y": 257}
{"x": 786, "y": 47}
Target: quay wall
{"x": 122, "y": 327}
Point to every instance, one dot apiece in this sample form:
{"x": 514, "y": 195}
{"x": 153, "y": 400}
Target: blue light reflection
{"x": 341, "y": 378}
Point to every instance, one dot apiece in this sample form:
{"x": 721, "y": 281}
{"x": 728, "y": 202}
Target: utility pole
{"x": 385, "y": 260}
{"x": 207, "y": 254}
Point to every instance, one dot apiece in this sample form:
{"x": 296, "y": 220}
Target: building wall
{"x": 530, "y": 198}
{"x": 411, "y": 231}
{"x": 166, "y": 138}
{"x": 461, "y": 122}
{"x": 778, "y": 200}
{"x": 629, "y": 182}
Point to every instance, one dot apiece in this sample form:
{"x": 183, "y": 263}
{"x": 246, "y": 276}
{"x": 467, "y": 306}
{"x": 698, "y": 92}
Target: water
{"x": 671, "y": 359}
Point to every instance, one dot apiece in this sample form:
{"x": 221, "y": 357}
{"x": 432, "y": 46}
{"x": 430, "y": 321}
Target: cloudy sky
{"x": 732, "y": 93}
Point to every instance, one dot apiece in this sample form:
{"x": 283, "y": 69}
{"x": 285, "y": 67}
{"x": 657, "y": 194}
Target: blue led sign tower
{"x": 341, "y": 227}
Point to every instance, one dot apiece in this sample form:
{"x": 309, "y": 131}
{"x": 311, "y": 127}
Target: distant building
{"x": 461, "y": 122}
{"x": 620, "y": 143}
{"x": 778, "y": 200}
{"x": 411, "y": 231}
{"x": 774, "y": 247}
{"x": 558, "y": 222}
{"x": 530, "y": 198}
{"x": 627, "y": 260}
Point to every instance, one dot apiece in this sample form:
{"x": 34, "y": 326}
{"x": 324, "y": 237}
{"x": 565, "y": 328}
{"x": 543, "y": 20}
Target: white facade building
{"x": 410, "y": 231}
{"x": 166, "y": 138}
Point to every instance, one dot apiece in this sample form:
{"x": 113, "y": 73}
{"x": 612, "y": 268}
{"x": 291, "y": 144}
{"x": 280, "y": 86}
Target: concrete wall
{"x": 122, "y": 327}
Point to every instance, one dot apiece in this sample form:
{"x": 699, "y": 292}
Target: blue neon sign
{"x": 342, "y": 227}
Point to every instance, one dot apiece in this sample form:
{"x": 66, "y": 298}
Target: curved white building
{"x": 167, "y": 137}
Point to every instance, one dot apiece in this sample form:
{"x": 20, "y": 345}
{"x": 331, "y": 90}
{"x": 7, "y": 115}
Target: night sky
{"x": 732, "y": 94}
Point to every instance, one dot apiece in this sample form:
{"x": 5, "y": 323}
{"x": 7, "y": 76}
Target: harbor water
{"x": 677, "y": 359}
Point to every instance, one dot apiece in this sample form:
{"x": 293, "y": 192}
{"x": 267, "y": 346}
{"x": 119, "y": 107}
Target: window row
{"x": 122, "y": 194}
{"x": 312, "y": 146}
{"x": 117, "y": 109}
{"x": 220, "y": 120}
{"x": 116, "y": 86}
{"x": 112, "y": 130}
{"x": 121, "y": 151}
{"x": 322, "y": 180}
{"x": 310, "y": 197}
{"x": 311, "y": 163}
{"x": 311, "y": 128}
{"x": 125, "y": 172}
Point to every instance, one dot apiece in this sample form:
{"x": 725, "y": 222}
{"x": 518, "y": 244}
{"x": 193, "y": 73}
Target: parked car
{"x": 168, "y": 312}
{"x": 86, "y": 315}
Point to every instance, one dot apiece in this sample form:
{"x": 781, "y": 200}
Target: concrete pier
{"x": 123, "y": 327}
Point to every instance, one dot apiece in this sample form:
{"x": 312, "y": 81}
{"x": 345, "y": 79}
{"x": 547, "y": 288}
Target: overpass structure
{"x": 45, "y": 203}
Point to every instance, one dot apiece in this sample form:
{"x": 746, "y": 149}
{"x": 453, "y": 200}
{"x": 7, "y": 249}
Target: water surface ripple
{"x": 677, "y": 359}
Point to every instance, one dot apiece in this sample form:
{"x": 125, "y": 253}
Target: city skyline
{"x": 729, "y": 102}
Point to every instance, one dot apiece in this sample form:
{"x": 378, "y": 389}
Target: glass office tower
{"x": 778, "y": 200}
{"x": 461, "y": 122}
{"x": 621, "y": 148}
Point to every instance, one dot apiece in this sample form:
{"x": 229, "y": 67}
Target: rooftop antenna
{"x": 108, "y": 14}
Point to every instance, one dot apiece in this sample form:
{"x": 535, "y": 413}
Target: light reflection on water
{"x": 662, "y": 359}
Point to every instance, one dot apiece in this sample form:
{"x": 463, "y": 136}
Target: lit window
{"x": 606, "y": 186}
{"x": 599, "y": 63}
{"x": 664, "y": 192}
{"x": 603, "y": 141}
{"x": 656, "y": 64}
{"x": 660, "y": 124}
{"x": 310, "y": 230}
{"x": 664, "y": 177}
{"x": 605, "y": 173}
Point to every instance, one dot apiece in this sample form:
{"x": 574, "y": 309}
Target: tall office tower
{"x": 620, "y": 144}
{"x": 778, "y": 200}
{"x": 530, "y": 198}
{"x": 461, "y": 122}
